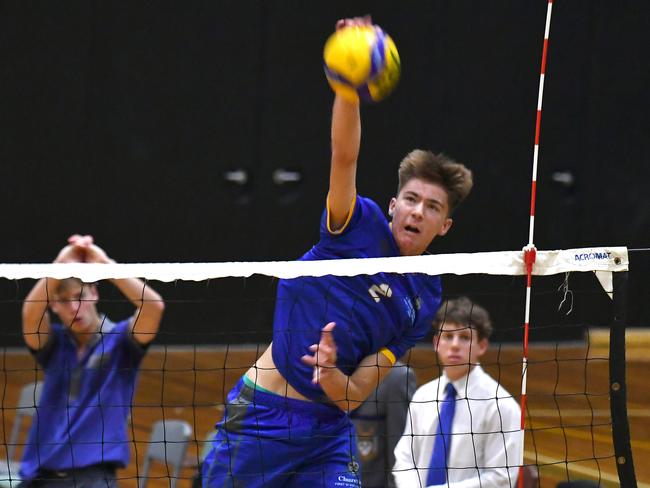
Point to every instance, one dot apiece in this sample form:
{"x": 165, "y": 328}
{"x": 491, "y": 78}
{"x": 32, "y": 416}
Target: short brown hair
{"x": 462, "y": 311}
{"x": 437, "y": 168}
{"x": 67, "y": 283}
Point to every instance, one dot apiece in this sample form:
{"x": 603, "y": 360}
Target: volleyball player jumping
{"x": 286, "y": 421}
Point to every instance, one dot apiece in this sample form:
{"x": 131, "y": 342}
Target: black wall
{"x": 120, "y": 119}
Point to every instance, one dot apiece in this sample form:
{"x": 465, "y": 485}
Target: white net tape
{"x": 509, "y": 263}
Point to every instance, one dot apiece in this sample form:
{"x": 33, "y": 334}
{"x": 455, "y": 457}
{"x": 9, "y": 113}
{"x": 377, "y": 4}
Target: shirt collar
{"x": 463, "y": 384}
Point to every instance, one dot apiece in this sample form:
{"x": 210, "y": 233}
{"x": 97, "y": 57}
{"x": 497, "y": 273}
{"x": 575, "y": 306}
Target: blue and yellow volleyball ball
{"x": 361, "y": 62}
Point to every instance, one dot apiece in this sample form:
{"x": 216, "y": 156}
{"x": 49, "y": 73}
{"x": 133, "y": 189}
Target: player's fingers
{"x": 315, "y": 377}
{"x": 326, "y": 336}
{"x": 360, "y": 21}
{"x": 327, "y": 330}
{"x": 325, "y": 351}
{"x": 78, "y": 241}
{"x": 366, "y": 19}
{"x": 308, "y": 360}
{"x": 327, "y": 341}
{"x": 86, "y": 241}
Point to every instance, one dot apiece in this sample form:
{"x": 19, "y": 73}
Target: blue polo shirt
{"x": 84, "y": 404}
{"x": 386, "y": 311}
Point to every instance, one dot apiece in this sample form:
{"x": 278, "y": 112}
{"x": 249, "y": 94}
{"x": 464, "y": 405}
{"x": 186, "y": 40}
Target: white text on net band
{"x": 509, "y": 263}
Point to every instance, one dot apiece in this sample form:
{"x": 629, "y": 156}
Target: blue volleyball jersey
{"x": 81, "y": 416}
{"x": 386, "y": 310}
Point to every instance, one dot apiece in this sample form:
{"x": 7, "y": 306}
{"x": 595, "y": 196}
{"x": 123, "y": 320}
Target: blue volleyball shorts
{"x": 267, "y": 440}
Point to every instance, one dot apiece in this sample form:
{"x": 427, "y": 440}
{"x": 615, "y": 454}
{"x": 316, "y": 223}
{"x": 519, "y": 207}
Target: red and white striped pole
{"x": 530, "y": 252}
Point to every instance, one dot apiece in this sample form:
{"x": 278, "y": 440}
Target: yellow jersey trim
{"x": 389, "y": 354}
{"x": 347, "y": 221}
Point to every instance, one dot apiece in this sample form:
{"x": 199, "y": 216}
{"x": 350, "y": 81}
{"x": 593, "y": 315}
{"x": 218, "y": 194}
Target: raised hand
{"x": 75, "y": 251}
{"x": 354, "y": 21}
{"x": 324, "y": 354}
{"x": 70, "y": 254}
{"x": 92, "y": 253}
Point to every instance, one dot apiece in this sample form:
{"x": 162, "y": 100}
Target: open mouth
{"x": 412, "y": 229}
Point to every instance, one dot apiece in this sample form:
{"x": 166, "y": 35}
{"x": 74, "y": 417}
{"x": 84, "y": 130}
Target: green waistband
{"x": 248, "y": 382}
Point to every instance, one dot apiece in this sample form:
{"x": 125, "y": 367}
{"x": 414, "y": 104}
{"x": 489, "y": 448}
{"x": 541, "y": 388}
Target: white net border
{"x": 510, "y": 263}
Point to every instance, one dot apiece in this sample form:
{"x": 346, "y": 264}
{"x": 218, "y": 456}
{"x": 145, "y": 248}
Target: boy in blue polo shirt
{"x": 79, "y": 436}
{"x": 286, "y": 422}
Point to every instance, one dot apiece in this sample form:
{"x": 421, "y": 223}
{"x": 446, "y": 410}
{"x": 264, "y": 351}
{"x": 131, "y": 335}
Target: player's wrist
{"x": 347, "y": 97}
{"x": 336, "y": 384}
{"x": 328, "y": 373}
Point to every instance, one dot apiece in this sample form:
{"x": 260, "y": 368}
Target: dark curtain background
{"x": 124, "y": 119}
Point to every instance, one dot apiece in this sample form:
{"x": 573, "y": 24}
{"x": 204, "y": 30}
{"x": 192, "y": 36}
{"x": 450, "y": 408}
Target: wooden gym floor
{"x": 568, "y": 433}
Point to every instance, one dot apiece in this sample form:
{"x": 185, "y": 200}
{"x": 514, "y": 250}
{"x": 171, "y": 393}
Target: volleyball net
{"x": 218, "y": 320}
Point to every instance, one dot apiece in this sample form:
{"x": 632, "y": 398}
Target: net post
{"x": 617, "y": 385}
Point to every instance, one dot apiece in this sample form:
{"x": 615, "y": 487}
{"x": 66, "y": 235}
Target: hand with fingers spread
{"x": 324, "y": 359}
{"x": 346, "y": 391}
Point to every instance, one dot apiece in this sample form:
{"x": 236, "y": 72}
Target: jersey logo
{"x": 379, "y": 291}
{"x": 410, "y": 310}
{"x": 353, "y": 466}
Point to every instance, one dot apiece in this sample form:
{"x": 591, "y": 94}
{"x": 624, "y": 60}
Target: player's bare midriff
{"x": 265, "y": 374}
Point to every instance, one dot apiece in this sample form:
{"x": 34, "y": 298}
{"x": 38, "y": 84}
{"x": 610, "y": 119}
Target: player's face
{"x": 420, "y": 213}
{"x": 458, "y": 348}
{"x": 76, "y": 307}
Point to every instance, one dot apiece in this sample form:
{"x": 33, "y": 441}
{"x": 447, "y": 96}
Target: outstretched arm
{"x": 347, "y": 392}
{"x": 148, "y": 303}
{"x": 346, "y": 139}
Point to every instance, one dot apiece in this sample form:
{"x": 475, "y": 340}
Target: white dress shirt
{"x": 486, "y": 444}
